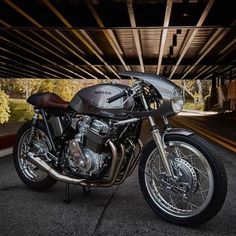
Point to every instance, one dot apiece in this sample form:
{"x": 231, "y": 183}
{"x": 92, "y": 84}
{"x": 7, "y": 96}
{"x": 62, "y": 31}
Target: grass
{"x": 20, "y": 110}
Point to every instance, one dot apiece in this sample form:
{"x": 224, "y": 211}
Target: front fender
{"x": 180, "y": 131}
{"x": 185, "y": 132}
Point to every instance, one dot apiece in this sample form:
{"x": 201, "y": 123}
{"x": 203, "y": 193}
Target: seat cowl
{"x": 47, "y": 101}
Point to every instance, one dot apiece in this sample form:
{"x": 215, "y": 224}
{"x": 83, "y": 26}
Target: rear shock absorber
{"x": 33, "y": 126}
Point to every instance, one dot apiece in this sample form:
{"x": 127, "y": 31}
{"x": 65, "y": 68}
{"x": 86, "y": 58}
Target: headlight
{"x": 177, "y": 100}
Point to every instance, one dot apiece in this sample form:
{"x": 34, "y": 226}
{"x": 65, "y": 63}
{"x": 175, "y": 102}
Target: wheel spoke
{"x": 192, "y": 169}
{"x": 29, "y": 170}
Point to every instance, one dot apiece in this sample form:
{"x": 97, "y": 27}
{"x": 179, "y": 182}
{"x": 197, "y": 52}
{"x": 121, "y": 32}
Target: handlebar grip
{"x": 117, "y": 96}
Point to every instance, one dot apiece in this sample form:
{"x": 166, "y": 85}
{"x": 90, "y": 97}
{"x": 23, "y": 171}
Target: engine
{"x": 86, "y": 153}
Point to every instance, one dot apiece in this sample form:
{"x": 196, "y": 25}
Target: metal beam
{"x": 36, "y": 63}
{"x": 216, "y": 38}
{"x": 33, "y": 21}
{"x": 18, "y": 68}
{"x": 22, "y": 73}
{"x": 80, "y": 57}
{"x": 108, "y": 34}
{"x": 228, "y": 46}
{"x": 9, "y": 75}
{"x": 38, "y": 71}
{"x": 135, "y": 33}
{"x": 88, "y": 38}
{"x": 72, "y": 51}
{"x": 21, "y": 34}
{"x": 210, "y": 40}
{"x": 215, "y": 66}
{"x": 45, "y": 48}
{"x": 41, "y": 57}
{"x": 205, "y": 53}
{"x": 79, "y": 36}
{"x": 28, "y": 17}
{"x": 194, "y": 33}
{"x": 164, "y": 33}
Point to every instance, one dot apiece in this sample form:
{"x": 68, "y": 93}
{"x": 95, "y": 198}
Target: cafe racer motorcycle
{"x": 93, "y": 141}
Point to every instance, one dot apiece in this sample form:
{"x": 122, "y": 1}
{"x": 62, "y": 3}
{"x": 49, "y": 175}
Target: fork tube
{"x": 158, "y": 140}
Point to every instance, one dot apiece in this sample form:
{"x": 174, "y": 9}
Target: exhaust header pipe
{"x": 50, "y": 171}
{"x": 83, "y": 182}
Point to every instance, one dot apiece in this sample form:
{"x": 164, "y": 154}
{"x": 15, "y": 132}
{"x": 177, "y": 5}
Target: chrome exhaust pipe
{"x": 50, "y": 171}
{"x": 83, "y": 182}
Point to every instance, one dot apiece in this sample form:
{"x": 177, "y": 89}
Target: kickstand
{"x": 67, "y": 194}
{"x": 86, "y": 191}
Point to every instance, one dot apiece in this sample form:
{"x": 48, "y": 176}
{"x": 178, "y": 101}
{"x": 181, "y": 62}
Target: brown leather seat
{"x": 48, "y": 101}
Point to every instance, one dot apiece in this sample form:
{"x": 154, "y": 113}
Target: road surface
{"x": 118, "y": 210}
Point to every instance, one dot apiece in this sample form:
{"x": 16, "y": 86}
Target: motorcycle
{"x": 93, "y": 141}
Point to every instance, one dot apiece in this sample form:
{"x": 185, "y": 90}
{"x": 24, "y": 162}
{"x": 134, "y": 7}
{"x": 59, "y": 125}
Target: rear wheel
{"x": 31, "y": 175}
{"x": 197, "y": 192}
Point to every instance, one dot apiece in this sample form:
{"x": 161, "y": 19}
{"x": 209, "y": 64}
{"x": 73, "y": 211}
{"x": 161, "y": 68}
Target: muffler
{"x": 50, "y": 171}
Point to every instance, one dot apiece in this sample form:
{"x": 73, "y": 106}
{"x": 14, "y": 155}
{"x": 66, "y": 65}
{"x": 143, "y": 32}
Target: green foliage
{"x": 4, "y": 107}
{"x": 62, "y": 88}
{"x": 26, "y": 86}
{"x": 46, "y": 86}
{"x": 20, "y": 110}
{"x": 194, "y": 106}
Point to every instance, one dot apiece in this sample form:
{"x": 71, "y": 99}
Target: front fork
{"x": 158, "y": 141}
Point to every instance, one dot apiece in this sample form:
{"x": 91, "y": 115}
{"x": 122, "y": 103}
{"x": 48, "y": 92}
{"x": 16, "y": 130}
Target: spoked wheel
{"x": 30, "y": 174}
{"x": 198, "y": 189}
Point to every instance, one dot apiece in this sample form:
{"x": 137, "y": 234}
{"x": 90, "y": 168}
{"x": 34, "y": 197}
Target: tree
{"x": 27, "y": 86}
{"x": 4, "y": 107}
{"x": 47, "y": 85}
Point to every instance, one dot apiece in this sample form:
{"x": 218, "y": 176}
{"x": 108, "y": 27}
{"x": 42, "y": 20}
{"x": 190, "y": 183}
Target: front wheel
{"x": 198, "y": 189}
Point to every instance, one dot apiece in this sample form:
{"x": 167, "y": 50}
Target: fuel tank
{"x": 93, "y": 101}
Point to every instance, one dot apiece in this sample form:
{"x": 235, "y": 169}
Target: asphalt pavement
{"x": 120, "y": 210}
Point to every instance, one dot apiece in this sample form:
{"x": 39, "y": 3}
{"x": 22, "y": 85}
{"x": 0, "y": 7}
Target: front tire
{"x": 32, "y": 176}
{"x": 201, "y": 186}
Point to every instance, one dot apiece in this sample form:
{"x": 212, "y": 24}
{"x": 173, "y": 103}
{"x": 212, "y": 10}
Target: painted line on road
{"x": 206, "y": 134}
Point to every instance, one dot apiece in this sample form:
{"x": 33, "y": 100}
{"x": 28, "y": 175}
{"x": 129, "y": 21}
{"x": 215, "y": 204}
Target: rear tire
{"x": 162, "y": 201}
{"x": 34, "y": 178}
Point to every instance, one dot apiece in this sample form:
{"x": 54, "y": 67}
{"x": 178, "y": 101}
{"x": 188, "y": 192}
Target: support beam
{"x": 41, "y": 57}
{"x": 19, "y": 72}
{"x": 164, "y": 34}
{"x": 228, "y": 46}
{"x": 18, "y": 68}
{"x": 194, "y": 33}
{"x": 34, "y": 22}
{"x": 109, "y": 35}
{"x": 216, "y": 38}
{"x": 88, "y": 38}
{"x": 135, "y": 33}
{"x": 208, "y": 69}
{"x": 36, "y": 63}
{"x": 32, "y": 69}
{"x": 79, "y": 36}
{"x": 210, "y": 40}
{"x": 7, "y": 74}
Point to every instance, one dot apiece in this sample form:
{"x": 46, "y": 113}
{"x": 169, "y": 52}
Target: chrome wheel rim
{"x": 29, "y": 170}
{"x": 180, "y": 204}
